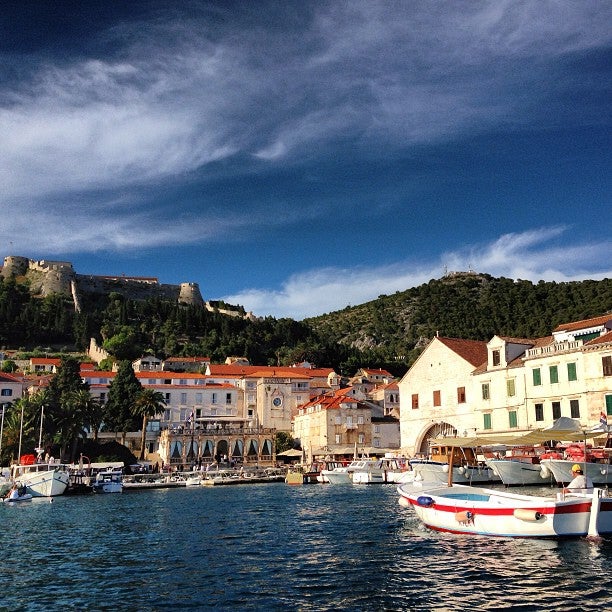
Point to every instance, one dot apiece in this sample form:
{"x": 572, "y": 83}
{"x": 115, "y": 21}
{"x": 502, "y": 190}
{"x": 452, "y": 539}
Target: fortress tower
{"x": 189, "y": 293}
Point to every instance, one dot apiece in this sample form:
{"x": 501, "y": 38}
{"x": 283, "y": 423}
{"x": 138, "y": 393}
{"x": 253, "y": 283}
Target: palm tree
{"x": 71, "y": 421}
{"x": 149, "y": 402}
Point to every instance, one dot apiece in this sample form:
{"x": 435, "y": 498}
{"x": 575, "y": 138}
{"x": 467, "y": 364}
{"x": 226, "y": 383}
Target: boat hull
{"x": 516, "y": 472}
{"x": 435, "y": 471}
{"x": 561, "y": 469}
{"x": 337, "y": 477}
{"x": 480, "y": 511}
{"x": 49, "y": 483}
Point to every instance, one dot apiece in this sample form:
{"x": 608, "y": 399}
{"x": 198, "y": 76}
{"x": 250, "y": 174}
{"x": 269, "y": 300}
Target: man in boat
{"x": 580, "y": 483}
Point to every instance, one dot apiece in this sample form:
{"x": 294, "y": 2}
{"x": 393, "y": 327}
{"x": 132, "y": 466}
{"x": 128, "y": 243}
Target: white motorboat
{"x": 561, "y": 470}
{"x": 517, "y": 472}
{"x": 17, "y": 494}
{"x": 344, "y": 474}
{"x": 110, "y": 481}
{"x": 476, "y": 510}
{"x": 42, "y": 479}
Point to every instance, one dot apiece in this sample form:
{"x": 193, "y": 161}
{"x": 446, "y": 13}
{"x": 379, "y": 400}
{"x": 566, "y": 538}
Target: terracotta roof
{"x": 254, "y": 370}
{"x": 584, "y": 324}
{"x": 529, "y": 341}
{"x": 473, "y": 351}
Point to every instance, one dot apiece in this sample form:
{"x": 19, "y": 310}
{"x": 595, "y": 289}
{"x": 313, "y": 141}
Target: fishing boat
{"x": 328, "y": 466}
{"x": 109, "y": 481}
{"x": 477, "y": 510}
{"x": 41, "y": 479}
{"x": 561, "y": 469}
{"x": 344, "y": 474}
{"x": 466, "y": 468}
{"x": 519, "y": 467}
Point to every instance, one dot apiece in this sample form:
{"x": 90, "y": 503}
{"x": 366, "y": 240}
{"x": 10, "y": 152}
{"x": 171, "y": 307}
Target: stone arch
{"x": 253, "y": 446}
{"x": 176, "y": 450}
{"x": 222, "y": 449}
{"x": 437, "y": 430}
{"x": 207, "y": 448}
{"x": 238, "y": 449}
{"x": 192, "y": 450}
{"x": 266, "y": 448}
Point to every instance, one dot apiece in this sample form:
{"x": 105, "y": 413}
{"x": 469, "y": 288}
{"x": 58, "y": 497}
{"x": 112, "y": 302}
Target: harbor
{"x": 319, "y": 547}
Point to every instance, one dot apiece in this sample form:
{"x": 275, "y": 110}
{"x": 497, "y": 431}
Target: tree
{"x": 122, "y": 394}
{"x": 283, "y": 441}
{"x": 13, "y": 431}
{"x": 148, "y": 403}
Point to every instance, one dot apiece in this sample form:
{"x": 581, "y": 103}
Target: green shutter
{"x": 554, "y": 374}
{"x": 537, "y": 378}
{"x": 487, "y": 421}
{"x": 512, "y": 418}
{"x": 609, "y": 405}
{"x": 571, "y": 371}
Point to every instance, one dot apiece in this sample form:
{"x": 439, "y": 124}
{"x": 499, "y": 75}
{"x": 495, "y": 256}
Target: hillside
{"x": 387, "y": 332}
{"x": 464, "y": 305}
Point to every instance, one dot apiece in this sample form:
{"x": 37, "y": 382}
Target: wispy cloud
{"x": 180, "y": 94}
{"x": 527, "y": 255}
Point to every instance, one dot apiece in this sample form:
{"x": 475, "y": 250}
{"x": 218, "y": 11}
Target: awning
{"x": 564, "y": 429}
{"x": 292, "y": 452}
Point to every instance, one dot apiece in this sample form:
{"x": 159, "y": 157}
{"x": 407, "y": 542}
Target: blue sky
{"x": 298, "y": 157}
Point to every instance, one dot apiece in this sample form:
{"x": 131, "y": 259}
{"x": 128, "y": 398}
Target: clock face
{"x": 277, "y": 401}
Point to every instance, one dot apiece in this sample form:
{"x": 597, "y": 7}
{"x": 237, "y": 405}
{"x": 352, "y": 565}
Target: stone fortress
{"x": 47, "y": 277}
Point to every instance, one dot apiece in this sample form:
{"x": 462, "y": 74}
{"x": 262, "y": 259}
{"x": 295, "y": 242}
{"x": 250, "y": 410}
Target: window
{"x": 228, "y": 398}
{"x": 539, "y": 412}
{"x": 461, "y": 395}
{"x": 575, "y": 409}
{"x": 6, "y": 392}
{"x": 376, "y": 428}
{"x": 512, "y": 420}
{"x": 361, "y": 438}
{"x": 537, "y": 377}
{"x": 349, "y": 421}
{"x": 554, "y": 374}
{"x": 556, "y": 408}
{"x": 167, "y": 398}
{"x": 606, "y": 363}
{"x": 415, "y": 401}
{"x": 338, "y": 420}
{"x": 360, "y": 420}
{"x": 436, "y": 398}
{"x": 486, "y": 421}
{"x": 183, "y": 398}
{"x": 510, "y": 387}
{"x": 338, "y": 438}
{"x": 376, "y": 442}
{"x": 496, "y": 358}
{"x": 609, "y": 405}
{"x": 198, "y": 398}
{"x": 214, "y": 398}
{"x": 198, "y": 413}
{"x": 571, "y": 371}
{"x": 485, "y": 392}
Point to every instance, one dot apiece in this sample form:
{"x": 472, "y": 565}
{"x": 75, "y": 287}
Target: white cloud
{"x": 525, "y": 256}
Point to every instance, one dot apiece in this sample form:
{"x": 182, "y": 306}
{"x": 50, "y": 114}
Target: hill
{"x": 387, "y": 332}
{"x": 462, "y": 305}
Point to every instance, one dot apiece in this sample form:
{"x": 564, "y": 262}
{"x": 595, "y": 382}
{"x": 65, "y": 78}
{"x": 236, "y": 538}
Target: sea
{"x": 277, "y": 547}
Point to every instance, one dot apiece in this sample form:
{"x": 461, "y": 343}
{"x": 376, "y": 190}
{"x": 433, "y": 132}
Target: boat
{"x": 41, "y": 479}
{"x": 379, "y": 471}
{"x": 561, "y": 469}
{"x": 344, "y": 474}
{"x": 328, "y": 466}
{"x": 109, "y": 481}
{"x": 466, "y": 468}
{"x": 17, "y": 494}
{"x": 519, "y": 467}
{"x": 476, "y": 510}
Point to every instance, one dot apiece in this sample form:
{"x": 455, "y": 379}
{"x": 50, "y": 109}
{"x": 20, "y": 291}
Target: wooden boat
{"x": 481, "y": 511}
{"x": 519, "y": 467}
{"x": 466, "y": 469}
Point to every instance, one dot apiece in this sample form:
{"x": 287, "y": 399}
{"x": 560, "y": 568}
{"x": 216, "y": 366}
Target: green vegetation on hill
{"x": 387, "y": 332}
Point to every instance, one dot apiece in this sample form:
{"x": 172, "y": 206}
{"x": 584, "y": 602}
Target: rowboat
{"x": 475, "y": 510}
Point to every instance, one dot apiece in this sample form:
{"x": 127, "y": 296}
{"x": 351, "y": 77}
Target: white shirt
{"x": 582, "y": 483}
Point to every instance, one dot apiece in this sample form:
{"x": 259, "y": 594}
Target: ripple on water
{"x": 270, "y": 546}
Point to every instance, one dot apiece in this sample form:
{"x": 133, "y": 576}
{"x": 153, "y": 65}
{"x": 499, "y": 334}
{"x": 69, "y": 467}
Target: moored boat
{"x": 110, "y": 481}
{"x": 466, "y": 468}
{"x": 476, "y": 510}
{"x": 561, "y": 469}
{"x": 41, "y": 479}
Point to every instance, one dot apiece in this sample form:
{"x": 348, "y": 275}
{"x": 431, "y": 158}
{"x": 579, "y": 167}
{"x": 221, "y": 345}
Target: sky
{"x": 298, "y": 157}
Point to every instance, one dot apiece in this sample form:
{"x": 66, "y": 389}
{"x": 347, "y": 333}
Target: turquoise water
{"x": 271, "y": 547}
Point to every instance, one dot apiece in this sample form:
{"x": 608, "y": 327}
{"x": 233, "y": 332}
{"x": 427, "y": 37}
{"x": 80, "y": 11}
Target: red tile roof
{"x": 473, "y": 351}
{"x": 584, "y": 324}
{"x": 601, "y": 340}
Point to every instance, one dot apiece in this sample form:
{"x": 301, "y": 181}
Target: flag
{"x": 603, "y": 419}
{"x": 190, "y": 418}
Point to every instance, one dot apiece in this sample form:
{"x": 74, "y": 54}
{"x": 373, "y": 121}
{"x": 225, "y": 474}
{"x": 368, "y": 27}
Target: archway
{"x": 252, "y": 452}
{"x": 222, "y": 449}
{"x": 437, "y": 430}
